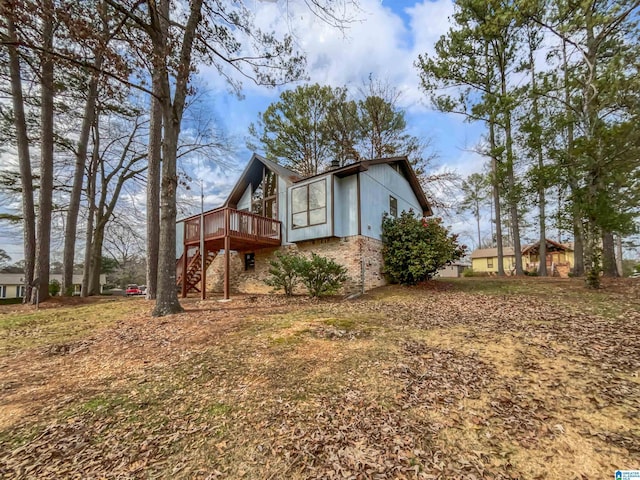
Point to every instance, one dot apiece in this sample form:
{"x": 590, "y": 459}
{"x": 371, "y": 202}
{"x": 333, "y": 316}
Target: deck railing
{"x": 238, "y": 224}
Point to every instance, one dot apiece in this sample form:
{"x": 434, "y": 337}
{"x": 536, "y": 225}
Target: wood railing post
{"x": 227, "y": 247}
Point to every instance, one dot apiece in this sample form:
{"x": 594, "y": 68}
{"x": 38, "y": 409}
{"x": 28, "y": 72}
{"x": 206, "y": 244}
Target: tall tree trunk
{"x": 478, "y": 223}
{"x": 512, "y": 197}
{"x": 68, "y": 257}
{"x": 24, "y": 158}
{"x": 608, "y": 255}
{"x": 496, "y": 196}
{"x": 167, "y": 297}
{"x": 570, "y": 167}
{"x": 91, "y": 200}
{"x": 593, "y": 232}
{"x": 153, "y": 190}
{"x": 96, "y": 255}
{"x": 43, "y": 254}
{"x": 542, "y": 218}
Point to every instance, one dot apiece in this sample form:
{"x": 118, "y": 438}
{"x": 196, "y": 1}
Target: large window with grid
{"x": 309, "y": 204}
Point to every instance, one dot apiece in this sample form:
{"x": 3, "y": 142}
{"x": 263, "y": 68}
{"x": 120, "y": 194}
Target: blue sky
{"x": 384, "y": 40}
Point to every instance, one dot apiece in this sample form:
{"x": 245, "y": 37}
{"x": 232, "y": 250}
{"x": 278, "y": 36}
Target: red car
{"x": 133, "y": 290}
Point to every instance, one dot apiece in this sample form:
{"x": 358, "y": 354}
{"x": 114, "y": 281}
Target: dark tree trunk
{"x": 91, "y": 200}
{"x": 167, "y": 296}
{"x": 512, "y": 197}
{"x": 609, "y": 268}
{"x": 24, "y": 158}
{"x": 68, "y": 258}
{"x": 496, "y": 198}
{"x": 542, "y": 217}
{"x": 576, "y": 212}
{"x": 43, "y": 244}
{"x": 153, "y": 191}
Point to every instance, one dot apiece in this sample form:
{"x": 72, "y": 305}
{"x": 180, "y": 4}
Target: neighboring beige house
{"x": 12, "y": 284}
{"x": 559, "y": 259}
{"x": 454, "y": 270}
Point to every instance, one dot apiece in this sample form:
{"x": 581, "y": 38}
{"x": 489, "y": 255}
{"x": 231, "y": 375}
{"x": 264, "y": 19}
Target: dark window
{"x": 309, "y": 204}
{"x": 249, "y": 261}
{"x": 393, "y": 206}
{"x": 264, "y": 196}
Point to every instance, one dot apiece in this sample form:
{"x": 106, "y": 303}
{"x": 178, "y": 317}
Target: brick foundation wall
{"x": 355, "y": 253}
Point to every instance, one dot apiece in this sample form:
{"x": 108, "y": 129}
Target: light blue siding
{"x": 282, "y": 209}
{"x": 345, "y": 202}
{"x": 376, "y": 185}
{"x": 314, "y": 231}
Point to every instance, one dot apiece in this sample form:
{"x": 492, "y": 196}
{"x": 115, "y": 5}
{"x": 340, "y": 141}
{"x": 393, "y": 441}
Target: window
{"x": 3, "y": 291}
{"x": 249, "y": 261}
{"x": 264, "y": 196}
{"x": 20, "y": 291}
{"x": 489, "y": 262}
{"x": 393, "y": 206}
{"x": 309, "y": 204}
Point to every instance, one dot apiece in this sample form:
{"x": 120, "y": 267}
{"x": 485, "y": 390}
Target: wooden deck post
{"x": 185, "y": 260}
{"x": 227, "y": 247}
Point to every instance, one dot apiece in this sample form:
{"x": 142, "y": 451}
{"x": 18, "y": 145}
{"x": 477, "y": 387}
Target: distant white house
{"x": 12, "y": 284}
{"x": 336, "y": 214}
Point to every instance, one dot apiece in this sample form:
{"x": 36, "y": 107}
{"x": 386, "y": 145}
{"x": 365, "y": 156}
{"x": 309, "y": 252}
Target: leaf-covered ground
{"x": 466, "y": 379}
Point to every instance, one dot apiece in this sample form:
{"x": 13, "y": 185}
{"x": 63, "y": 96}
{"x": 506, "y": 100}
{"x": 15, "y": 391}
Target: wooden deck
{"x": 246, "y": 231}
{"x": 223, "y": 228}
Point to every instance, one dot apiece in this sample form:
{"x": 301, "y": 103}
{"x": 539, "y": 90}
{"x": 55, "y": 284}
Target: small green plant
{"x": 468, "y": 272}
{"x": 322, "y": 276}
{"x": 285, "y": 271}
{"x": 54, "y": 287}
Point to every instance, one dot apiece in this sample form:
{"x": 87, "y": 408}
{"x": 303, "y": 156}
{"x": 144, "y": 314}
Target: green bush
{"x": 285, "y": 270}
{"x": 414, "y": 249}
{"x": 54, "y": 287}
{"x": 322, "y": 276}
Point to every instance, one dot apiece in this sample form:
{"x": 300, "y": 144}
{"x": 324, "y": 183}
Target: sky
{"x": 383, "y": 39}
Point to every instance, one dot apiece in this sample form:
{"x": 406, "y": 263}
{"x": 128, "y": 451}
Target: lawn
{"x": 473, "y": 378}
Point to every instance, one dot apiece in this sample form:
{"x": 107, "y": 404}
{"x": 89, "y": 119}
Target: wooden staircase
{"x": 193, "y": 273}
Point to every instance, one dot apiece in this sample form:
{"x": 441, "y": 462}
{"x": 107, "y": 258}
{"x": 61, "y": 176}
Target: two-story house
{"x": 336, "y": 214}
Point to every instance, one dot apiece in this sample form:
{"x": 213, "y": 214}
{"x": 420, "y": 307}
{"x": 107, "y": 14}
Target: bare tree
{"x": 22, "y": 140}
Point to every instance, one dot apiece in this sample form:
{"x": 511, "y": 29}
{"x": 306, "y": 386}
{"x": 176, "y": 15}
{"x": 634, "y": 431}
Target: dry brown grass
{"x": 478, "y": 378}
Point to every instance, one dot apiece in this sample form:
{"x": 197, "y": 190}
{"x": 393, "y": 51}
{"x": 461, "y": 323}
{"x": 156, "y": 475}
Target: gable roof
{"x": 509, "y": 252}
{"x": 403, "y": 164}
{"x": 253, "y": 174}
{"x": 552, "y": 246}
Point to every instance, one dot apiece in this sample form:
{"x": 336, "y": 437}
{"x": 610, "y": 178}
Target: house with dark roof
{"x": 336, "y": 214}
